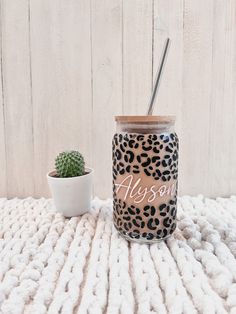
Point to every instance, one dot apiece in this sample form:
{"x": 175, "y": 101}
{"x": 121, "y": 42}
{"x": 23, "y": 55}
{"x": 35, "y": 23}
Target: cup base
{"x": 143, "y": 240}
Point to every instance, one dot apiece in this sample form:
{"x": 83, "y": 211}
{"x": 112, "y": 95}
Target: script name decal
{"x": 135, "y": 190}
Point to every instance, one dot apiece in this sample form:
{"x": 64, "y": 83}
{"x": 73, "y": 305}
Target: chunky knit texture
{"x": 50, "y": 264}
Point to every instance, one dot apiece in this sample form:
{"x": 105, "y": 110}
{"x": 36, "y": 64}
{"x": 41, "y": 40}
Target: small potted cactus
{"x": 71, "y": 184}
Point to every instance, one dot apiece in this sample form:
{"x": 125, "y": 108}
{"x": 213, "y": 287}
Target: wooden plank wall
{"x": 67, "y": 67}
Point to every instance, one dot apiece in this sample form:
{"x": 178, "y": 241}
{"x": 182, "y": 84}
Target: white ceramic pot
{"x": 72, "y": 196}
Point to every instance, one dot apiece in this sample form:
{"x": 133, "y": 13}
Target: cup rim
{"x": 89, "y": 170}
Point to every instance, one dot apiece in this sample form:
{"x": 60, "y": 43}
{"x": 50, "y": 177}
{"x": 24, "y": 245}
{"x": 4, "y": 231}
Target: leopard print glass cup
{"x": 145, "y": 172}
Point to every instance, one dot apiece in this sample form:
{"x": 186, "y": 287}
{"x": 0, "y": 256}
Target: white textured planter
{"x": 72, "y": 196}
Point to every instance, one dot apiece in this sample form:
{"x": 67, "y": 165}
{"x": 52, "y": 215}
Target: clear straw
{"x": 158, "y": 77}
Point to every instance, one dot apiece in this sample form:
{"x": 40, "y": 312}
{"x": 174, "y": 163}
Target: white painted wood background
{"x": 69, "y": 66}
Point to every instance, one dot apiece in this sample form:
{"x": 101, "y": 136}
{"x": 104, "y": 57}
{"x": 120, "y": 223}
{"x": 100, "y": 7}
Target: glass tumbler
{"x": 145, "y": 173}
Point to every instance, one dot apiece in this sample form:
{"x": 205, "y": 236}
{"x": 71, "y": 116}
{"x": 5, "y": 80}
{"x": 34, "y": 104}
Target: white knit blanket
{"x": 50, "y": 264}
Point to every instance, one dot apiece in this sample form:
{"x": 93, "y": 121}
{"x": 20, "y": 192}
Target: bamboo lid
{"x": 145, "y": 119}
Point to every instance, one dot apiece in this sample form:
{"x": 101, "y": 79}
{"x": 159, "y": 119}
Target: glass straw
{"x": 158, "y": 77}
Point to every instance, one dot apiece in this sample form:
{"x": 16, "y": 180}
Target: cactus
{"x": 69, "y": 164}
